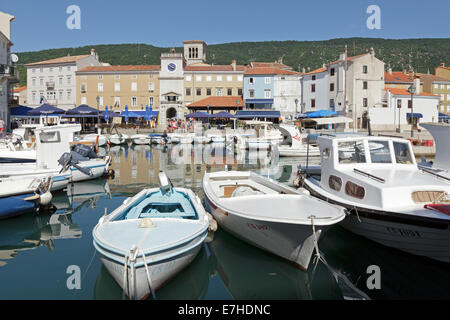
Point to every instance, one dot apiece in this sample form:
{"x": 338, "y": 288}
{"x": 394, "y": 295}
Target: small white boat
{"x": 118, "y": 139}
{"x": 93, "y": 138}
{"x": 389, "y": 199}
{"x": 53, "y": 148}
{"x": 141, "y": 139}
{"x": 174, "y": 138}
{"x": 187, "y": 138}
{"x": 268, "y": 214}
{"x": 266, "y": 136}
{"x": 151, "y": 237}
{"x": 201, "y": 140}
{"x": 295, "y": 144}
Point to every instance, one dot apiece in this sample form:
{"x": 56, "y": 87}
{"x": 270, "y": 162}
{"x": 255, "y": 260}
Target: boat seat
{"x": 159, "y": 206}
{"x": 228, "y": 191}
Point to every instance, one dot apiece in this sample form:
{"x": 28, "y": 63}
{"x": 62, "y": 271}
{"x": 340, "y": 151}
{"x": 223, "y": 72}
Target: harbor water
{"x": 51, "y": 255}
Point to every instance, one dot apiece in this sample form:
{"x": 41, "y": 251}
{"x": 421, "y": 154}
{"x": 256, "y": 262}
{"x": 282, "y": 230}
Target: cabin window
{"x": 402, "y": 153}
{"x": 379, "y": 152}
{"x": 335, "y": 183}
{"x": 351, "y": 152}
{"x": 353, "y": 190}
{"x": 50, "y": 137}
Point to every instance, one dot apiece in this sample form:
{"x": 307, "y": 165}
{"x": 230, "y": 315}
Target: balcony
{"x": 172, "y": 102}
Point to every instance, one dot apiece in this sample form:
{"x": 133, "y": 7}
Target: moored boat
{"x": 141, "y": 139}
{"x": 389, "y": 199}
{"x": 151, "y": 237}
{"x": 118, "y": 139}
{"x": 268, "y": 214}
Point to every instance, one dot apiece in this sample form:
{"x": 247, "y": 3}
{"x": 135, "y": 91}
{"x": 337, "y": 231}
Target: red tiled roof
{"x": 218, "y": 102}
{"x": 269, "y": 70}
{"x": 431, "y": 77}
{"x": 270, "y": 65}
{"x": 121, "y": 68}
{"x": 405, "y": 92}
{"x": 398, "y": 77}
{"x": 214, "y": 68}
{"x": 316, "y": 71}
{"x": 20, "y": 89}
{"x": 68, "y": 59}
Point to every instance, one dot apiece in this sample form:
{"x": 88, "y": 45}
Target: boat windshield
{"x": 402, "y": 153}
{"x": 351, "y": 152}
{"x": 379, "y": 152}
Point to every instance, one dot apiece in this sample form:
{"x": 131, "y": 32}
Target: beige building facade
{"x": 119, "y": 86}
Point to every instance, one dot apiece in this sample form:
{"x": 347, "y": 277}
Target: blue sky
{"x": 42, "y": 24}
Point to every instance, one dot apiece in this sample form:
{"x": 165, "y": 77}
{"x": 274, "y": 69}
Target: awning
{"x": 442, "y": 116}
{"x": 258, "y": 114}
{"x": 414, "y": 115}
{"x": 333, "y": 120}
{"x": 259, "y": 101}
{"x": 20, "y": 111}
{"x": 321, "y": 114}
{"x": 139, "y": 114}
{"x": 198, "y": 115}
{"x": 221, "y": 115}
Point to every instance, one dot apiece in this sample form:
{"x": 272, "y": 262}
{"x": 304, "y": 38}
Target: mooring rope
{"x": 316, "y": 244}
{"x": 148, "y": 275}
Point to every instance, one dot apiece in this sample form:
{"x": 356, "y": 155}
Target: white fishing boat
{"x": 441, "y": 136}
{"x": 389, "y": 199}
{"x": 295, "y": 144}
{"x": 266, "y": 136}
{"x": 141, "y": 139}
{"x": 55, "y": 158}
{"x": 151, "y": 237}
{"x": 118, "y": 139}
{"x": 268, "y": 214}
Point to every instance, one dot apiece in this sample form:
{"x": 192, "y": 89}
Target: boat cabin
{"x": 378, "y": 171}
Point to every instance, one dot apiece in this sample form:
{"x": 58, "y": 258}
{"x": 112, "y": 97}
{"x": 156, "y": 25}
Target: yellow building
{"x": 442, "y": 71}
{"x": 118, "y": 86}
{"x": 204, "y": 81}
{"x": 438, "y": 86}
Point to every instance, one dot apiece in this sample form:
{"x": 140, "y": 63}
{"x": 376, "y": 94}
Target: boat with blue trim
{"x": 151, "y": 237}
{"x": 23, "y": 195}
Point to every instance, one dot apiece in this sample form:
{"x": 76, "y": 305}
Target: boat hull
{"x": 17, "y": 205}
{"x": 298, "y": 152}
{"x": 419, "y": 236}
{"x": 293, "y": 242}
{"x": 137, "y": 285}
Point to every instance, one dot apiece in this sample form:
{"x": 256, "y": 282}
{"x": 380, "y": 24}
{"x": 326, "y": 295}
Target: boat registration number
{"x": 404, "y": 232}
{"x": 257, "y": 226}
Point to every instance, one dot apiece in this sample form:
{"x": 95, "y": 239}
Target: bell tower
{"x": 194, "y": 51}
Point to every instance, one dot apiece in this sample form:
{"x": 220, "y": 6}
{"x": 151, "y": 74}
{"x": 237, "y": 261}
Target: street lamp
{"x": 412, "y": 90}
{"x": 296, "y": 103}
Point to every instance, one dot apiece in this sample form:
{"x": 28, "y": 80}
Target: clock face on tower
{"x": 172, "y": 66}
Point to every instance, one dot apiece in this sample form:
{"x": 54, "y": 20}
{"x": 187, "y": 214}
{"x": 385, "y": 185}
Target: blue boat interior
{"x": 161, "y": 204}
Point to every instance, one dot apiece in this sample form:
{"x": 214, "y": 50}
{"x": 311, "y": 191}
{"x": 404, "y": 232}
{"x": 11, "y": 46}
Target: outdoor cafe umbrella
{"x": 106, "y": 114}
{"x": 222, "y": 115}
{"x": 45, "y": 109}
{"x": 125, "y": 114}
{"x": 82, "y": 110}
{"x": 198, "y": 115}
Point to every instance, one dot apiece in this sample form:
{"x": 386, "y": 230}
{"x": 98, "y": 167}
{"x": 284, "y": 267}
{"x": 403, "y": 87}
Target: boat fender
{"x": 45, "y": 198}
{"x": 212, "y": 223}
{"x": 32, "y": 198}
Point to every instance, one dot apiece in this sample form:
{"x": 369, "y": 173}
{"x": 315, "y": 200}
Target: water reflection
{"x": 30, "y": 231}
{"x": 403, "y": 276}
{"x": 251, "y": 273}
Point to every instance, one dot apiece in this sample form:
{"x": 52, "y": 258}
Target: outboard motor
{"x": 164, "y": 183}
{"x": 68, "y": 160}
{"x": 85, "y": 151}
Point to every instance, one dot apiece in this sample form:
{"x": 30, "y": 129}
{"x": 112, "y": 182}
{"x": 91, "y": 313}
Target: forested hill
{"x": 422, "y": 54}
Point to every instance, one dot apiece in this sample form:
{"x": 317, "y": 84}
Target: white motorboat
{"x": 118, "y": 139}
{"x": 296, "y": 144}
{"x": 54, "y": 158}
{"x": 100, "y": 139}
{"x": 441, "y": 136}
{"x": 266, "y": 136}
{"x": 268, "y": 214}
{"x": 141, "y": 139}
{"x": 174, "y": 137}
{"x": 201, "y": 139}
{"x": 389, "y": 199}
{"x": 151, "y": 237}
{"x": 187, "y": 138}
